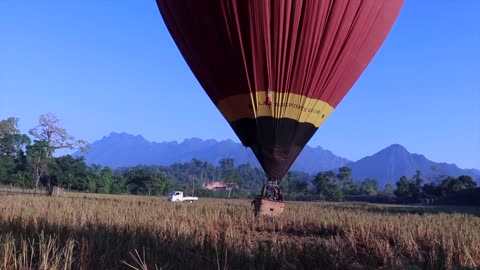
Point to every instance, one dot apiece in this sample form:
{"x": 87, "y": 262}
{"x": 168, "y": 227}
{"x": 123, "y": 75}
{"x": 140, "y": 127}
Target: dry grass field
{"x": 80, "y": 231}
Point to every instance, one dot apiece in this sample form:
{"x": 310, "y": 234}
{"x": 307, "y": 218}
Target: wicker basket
{"x": 268, "y": 207}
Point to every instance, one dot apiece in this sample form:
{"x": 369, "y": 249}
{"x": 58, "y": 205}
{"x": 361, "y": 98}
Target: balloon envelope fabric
{"x": 276, "y": 69}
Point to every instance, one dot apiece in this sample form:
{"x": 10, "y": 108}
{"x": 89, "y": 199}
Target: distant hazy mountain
{"x": 387, "y": 166}
{"x": 395, "y": 161}
{"x": 122, "y": 149}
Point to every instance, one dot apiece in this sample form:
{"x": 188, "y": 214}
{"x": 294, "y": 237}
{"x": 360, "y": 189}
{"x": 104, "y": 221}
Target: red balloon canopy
{"x": 276, "y": 69}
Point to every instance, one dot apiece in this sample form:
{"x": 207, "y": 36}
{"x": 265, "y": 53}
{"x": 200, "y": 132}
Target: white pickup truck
{"x": 177, "y": 196}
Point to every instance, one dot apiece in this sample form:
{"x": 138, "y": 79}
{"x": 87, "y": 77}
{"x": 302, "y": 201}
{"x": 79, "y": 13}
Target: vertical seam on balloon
{"x": 310, "y": 66}
{"x": 347, "y": 48}
{"x": 285, "y": 16}
{"x": 290, "y": 40}
{"x": 333, "y": 51}
{"x": 313, "y": 52}
{"x": 319, "y": 60}
{"x": 358, "y": 44}
{"x": 242, "y": 49}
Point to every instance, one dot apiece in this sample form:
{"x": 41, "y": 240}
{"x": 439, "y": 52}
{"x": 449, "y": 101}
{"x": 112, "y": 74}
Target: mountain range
{"x": 387, "y": 166}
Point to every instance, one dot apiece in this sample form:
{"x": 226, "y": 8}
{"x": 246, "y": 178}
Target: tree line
{"x": 28, "y": 161}
{"x": 338, "y": 186}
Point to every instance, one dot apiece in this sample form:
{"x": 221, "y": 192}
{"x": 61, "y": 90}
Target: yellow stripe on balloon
{"x": 284, "y": 105}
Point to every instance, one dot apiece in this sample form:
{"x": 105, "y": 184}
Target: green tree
{"x": 353, "y": 189}
{"x": 388, "y": 189}
{"x": 156, "y": 183}
{"x": 233, "y": 179}
{"x": 11, "y": 141}
{"x": 50, "y": 136}
{"x": 226, "y": 164}
{"x": 467, "y": 181}
{"x": 325, "y": 184}
{"x": 432, "y": 190}
{"x": 452, "y": 184}
{"x": 68, "y": 172}
{"x": 105, "y": 180}
{"x": 403, "y": 189}
{"x": 344, "y": 174}
{"x": 23, "y": 179}
{"x": 416, "y": 185}
{"x": 418, "y": 178}
{"x": 119, "y": 185}
{"x": 38, "y": 159}
{"x": 90, "y": 183}
{"x": 7, "y": 169}
{"x": 298, "y": 182}
{"x": 12, "y": 158}
{"x": 410, "y": 191}
{"x": 369, "y": 187}
{"x": 136, "y": 178}
{"x": 253, "y": 178}
{"x": 230, "y": 174}
{"x": 96, "y": 168}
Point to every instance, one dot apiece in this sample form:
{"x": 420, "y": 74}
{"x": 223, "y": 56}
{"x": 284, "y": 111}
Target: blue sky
{"x": 104, "y": 66}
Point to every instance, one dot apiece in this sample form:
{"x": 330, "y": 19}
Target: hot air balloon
{"x": 276, "y": 69}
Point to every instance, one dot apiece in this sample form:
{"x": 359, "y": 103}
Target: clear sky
{"x": 104, "y": 66}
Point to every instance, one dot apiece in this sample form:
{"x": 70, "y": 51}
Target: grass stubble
{"x": 80, "y": 231}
